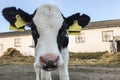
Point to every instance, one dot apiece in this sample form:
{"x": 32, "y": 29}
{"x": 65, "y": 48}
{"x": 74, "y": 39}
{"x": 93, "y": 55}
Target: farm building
{"x": 96, "y": 37}
{"x": 21, "y": 40}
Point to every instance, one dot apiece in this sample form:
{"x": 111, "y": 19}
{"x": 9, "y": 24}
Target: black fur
{"x": 62, "y": 38}
{"x": 10, "y": 13}
{"x": 83, "y": 20}
{"x": 25, "y": 16}
{"x": 34, "y": 32}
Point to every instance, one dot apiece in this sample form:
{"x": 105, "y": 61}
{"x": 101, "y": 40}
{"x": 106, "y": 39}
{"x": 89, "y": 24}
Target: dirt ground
{"x": 14, "y": 66}
{"x": 26, "y": 72}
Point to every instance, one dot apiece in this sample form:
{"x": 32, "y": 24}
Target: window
{"x": 17, "y": 42}
{"x": 107, "y": 36}
{"x": 80, "y": 38}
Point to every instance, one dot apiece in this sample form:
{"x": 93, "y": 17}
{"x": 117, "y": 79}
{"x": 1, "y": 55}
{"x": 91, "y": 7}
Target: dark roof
{"x": 103, "y": 24}
{"x": 91, "y": 25}
{"x": 15, "y": 33}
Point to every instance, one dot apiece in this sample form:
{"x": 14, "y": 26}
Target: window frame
{"x": 17, "y": 42}
{"x": 80, "y": 38}
{"x": 107, "y": 36}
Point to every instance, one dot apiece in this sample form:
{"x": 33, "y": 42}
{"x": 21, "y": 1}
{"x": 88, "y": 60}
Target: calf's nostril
{"x": 50, "y": 62}
{"x": 43, "y": 61}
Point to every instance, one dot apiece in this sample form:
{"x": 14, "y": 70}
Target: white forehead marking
{"x": 48, "y": 17}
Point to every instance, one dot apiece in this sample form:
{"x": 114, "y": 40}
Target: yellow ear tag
{"x": 16, "y": 29}
{"x": 20, "y": 22}
{"x": 75, "y": 29}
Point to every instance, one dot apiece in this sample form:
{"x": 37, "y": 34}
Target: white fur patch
{"x": 48, "y": 17}
{"x": 48, "y": 21}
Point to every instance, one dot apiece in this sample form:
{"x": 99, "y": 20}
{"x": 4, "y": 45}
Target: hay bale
{"x": 13, "y": 56}
{"x": 107, "y": 56}
{"x": 116, "y": 58}
{"x": 110, "y": 59}
{"x": 12, "y": 52}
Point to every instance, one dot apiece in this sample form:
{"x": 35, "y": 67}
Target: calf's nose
{"x": 49, "y": 62}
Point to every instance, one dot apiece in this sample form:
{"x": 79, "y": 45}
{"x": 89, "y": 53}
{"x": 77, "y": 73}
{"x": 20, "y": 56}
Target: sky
{"x": 98, "y": 10}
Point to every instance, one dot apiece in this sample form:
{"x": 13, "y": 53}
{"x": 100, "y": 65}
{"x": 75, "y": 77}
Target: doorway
{"x": 118, "y": 46}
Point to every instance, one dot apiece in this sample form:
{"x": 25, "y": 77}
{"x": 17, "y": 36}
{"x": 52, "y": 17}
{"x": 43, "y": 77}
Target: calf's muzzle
{"x": 49, "y": 62}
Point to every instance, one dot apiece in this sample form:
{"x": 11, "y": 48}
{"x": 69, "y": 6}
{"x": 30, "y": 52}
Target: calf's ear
{"x": 17, "y": 18}
{"x": 76, "y": 22}
{"x": 82, "y": 20}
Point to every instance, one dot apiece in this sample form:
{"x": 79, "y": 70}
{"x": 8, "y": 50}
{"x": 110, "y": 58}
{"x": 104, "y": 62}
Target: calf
{"x": 49, "y": 30}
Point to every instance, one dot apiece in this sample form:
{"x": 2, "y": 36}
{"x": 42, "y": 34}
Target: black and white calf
{"x": 49, "y": 30}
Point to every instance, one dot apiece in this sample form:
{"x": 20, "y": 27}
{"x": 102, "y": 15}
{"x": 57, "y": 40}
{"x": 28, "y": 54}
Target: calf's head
{"x": 49, "y": 31}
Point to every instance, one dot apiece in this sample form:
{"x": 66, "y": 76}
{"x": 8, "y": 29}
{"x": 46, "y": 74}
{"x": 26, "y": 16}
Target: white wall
{"x": 93, "y": 41}
{"x": 26, "y": 42}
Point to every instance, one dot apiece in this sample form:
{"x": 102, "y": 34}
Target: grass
{"x": 103, "y": 59}
{"x": 13, "y": 56}
{"x": 95, "y": 55}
